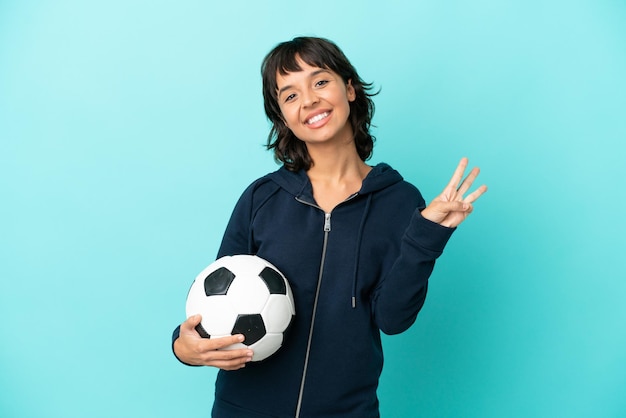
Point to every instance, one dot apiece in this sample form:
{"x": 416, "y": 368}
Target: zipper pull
{"x": 326, "y": 222}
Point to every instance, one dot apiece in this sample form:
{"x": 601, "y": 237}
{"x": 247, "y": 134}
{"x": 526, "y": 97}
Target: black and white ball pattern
{"x": 243, "y": 294}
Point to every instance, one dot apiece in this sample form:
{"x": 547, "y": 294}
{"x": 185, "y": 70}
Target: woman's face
{"x": 315, "y": 104}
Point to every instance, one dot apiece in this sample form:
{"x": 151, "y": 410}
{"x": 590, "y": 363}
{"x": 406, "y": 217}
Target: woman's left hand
{"x": 451, "y": 208}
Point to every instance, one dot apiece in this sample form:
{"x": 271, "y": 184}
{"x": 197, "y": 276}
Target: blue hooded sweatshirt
{"x": 359, "y": 270}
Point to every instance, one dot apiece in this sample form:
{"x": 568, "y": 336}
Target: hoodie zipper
{"x": 327, "y": 228}
{"x": 317, "y": 294}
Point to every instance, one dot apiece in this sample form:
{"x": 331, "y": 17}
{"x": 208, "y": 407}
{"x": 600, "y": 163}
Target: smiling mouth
{"x": 317, "y": 118}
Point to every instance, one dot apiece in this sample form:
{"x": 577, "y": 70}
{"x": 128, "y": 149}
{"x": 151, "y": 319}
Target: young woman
{"x": 357, "y": 244}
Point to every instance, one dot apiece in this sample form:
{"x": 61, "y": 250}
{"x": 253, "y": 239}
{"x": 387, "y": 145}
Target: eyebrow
{"x": 313, "y": 74}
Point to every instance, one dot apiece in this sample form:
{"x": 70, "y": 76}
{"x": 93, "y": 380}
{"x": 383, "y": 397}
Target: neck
{"x": 332, "y": 163}
{"x": 335, "y": 175}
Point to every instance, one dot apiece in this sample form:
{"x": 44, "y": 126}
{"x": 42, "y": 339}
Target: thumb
{"x": 191, "y": 323}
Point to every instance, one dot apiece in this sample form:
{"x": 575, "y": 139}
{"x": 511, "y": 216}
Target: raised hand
{"x": 192, "y": 349}
{"x": 451, "y": 207}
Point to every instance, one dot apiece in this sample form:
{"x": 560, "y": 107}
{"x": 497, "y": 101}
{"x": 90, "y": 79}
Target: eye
{"x": 290, "y": 97}
{"x": 321, "y": 83}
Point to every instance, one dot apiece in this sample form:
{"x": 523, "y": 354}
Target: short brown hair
{"x": 321, "y": 53}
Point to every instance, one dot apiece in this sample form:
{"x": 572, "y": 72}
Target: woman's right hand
{"x": 192, "y": 349}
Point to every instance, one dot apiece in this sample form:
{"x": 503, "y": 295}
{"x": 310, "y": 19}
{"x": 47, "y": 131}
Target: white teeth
{"x": 317, "y": 118}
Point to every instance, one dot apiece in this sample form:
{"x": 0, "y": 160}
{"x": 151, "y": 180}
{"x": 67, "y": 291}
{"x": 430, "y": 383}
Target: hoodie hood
{"x": 299, "y": 185}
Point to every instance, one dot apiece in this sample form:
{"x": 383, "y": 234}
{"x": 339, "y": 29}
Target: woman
{"x": 357, "y": 244}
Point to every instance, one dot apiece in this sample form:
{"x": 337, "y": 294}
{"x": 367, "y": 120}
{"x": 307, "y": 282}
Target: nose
{"x": 309, "y": 97}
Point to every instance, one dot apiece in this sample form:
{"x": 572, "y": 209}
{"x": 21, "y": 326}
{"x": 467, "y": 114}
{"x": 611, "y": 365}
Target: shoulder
{"x": 383, "y": 178}
{"x": 258, "y": 191}
{"x": 261, "y": 189}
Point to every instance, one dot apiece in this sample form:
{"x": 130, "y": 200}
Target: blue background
{"x": 129, "y": 128}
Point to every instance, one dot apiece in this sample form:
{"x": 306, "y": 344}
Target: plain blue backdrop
{"x": 128, "y": 129}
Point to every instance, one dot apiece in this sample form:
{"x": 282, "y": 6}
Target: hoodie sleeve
{"x": 237, "y": 237}
{"x": 401, "y": 293}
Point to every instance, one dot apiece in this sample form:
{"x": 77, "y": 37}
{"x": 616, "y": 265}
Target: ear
{"x": 350, "y": 92}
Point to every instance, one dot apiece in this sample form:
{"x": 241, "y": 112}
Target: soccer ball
{"x": 243, "y": 294}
